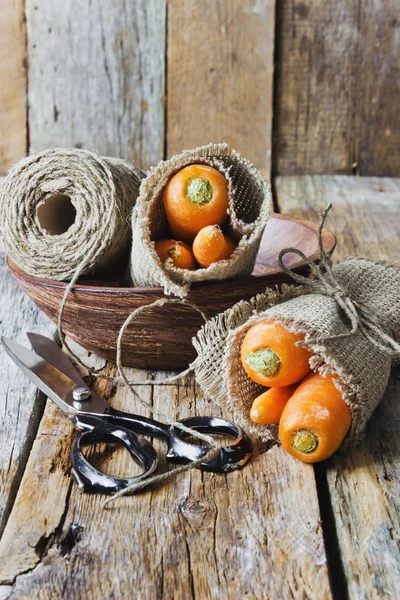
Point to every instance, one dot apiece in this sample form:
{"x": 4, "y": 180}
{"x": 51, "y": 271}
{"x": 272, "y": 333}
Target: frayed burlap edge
{"x": 146, "y": 267}
{"x": 210, "y": 341}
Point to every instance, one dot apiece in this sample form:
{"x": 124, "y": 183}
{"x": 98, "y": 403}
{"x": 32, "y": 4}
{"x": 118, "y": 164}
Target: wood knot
{"x": 194, "y": 507}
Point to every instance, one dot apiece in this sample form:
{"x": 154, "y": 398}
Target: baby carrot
{"x": 315, "y": 421}
{"x": 268, "y": 407}
{"x": 180, "y": 253}
{"x": 211, "y": 245}
{"x": 195, "y": 197}
{"x": 270, "y": 356}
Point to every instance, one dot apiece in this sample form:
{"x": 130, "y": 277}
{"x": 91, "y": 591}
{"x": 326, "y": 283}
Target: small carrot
{"x": 211, "y": 245}
{"x": 268, "y": 407}
{"x": 315, "y": 421}
{"x": 180, "y": 253}
{"x": 270, "y": 356}
{"x": 195, "y": 197}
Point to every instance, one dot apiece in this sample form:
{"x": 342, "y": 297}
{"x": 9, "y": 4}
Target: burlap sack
{"x": 362, "y": 359}
{"x": 249, "y": 209}
{"x": 64, "y": 208}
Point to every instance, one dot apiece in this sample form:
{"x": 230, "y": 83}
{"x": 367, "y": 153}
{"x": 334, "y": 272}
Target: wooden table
{"x": 297, "y": 87}
{"x": 276, "y": 529}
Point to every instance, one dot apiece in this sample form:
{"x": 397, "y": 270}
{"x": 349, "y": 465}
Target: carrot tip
{"x": 305, "y": 440}
{"x": 265, "y": 361}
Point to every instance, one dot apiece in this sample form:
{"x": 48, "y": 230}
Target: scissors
{"x": 52, "y": 372}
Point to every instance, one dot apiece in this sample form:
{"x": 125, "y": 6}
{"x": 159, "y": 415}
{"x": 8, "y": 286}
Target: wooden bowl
{"x": 160, "y": 338}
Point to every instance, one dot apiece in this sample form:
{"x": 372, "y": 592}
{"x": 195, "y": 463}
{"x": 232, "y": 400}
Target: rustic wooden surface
{"x": 161, "y": 337}
{"x": 364, "y": 484}
{"x": 278, "y": 528}
{"x": 13, "y": 136}
{"x": 142, "y": 80}
{"x": 220, "y": 68}
{"x": 21, "y": 407}
{"x": 96, "y": 76}
{"x": 250, "y": 533}
{"x": 336, "y": 104}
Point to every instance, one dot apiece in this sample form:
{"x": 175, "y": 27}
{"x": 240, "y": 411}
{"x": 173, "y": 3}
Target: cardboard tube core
{"x": 56, "y": 214}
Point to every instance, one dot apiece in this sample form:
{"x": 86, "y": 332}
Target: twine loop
{"x": 323, "y": 281}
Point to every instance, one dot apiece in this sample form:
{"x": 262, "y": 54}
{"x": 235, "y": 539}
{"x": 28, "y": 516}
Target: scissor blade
{"x": 51, "y": 352}
{"x": 50, "y": 380}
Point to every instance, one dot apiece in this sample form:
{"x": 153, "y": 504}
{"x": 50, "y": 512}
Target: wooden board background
{"x": 321, "y": 79}
{"x": 143, "y": 80}
{"x": 336, "y": 104}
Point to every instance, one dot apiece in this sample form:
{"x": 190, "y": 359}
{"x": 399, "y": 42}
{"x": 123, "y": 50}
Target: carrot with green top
{"x": 270, "y": 356}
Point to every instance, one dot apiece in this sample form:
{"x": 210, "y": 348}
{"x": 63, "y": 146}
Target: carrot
{"x": 315, "y": 420}
{"x": 180, "y": 253}
{"x": 268, "y": 407}
{"x": 195, "y": 197}
{"x": 211, "y": 245}
{"x": 271, "y": 358}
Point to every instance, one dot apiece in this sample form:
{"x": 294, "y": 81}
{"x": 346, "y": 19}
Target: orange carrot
{"x": 211, "y": 245}
{"x": 180, "y": 253}
{"x": 315, "y": 421}
{"x": 270, "y": 356}
{"x": 268, "y": 407}
{"x": 195, "y": 197}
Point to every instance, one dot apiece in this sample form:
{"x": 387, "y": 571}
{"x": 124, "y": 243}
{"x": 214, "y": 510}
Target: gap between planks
{"x": 363, "y": 486}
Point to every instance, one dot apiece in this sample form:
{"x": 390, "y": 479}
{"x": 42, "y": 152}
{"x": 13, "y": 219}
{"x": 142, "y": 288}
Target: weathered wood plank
{"x": 96, "y": 76}
{"x": 336, "y": 101}
{"x": 13, "y": 134}
{"x": 317, "y": 65}
{"x": 21, "y": 406}
{"x": 220, "y": 68}
{"x": 364, "y": 484}
{"x": 253, "y": 533}
{"x": 378, "y": 123}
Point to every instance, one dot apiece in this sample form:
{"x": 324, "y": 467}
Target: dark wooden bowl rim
{"x": 329, "y": 243}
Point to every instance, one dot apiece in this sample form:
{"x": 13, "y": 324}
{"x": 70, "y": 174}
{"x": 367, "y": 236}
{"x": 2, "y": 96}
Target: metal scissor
{"x": 52, "y": 372}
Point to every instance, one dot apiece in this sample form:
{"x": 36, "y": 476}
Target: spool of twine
{"x": 66, "y": 208}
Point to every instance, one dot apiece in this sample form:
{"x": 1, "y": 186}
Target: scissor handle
{"x": 90, "y": 479}
{"x": 232, "y": 456}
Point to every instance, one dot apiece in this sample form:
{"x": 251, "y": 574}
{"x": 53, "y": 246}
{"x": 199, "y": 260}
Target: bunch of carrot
{"x": 196, "y": 204}
{"x": 312, "y": 415}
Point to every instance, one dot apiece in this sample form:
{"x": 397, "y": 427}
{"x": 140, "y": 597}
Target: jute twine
{"x": 215, "y": 447}
{"x": 249, "y": 209}
{"x": 349, "y": 314}
{"x": 102, "y": 192}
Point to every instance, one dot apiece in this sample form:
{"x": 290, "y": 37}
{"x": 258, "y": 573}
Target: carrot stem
{"x": 199, "y": 191}
{"x": 305, "y": 441}
{"x": 264, "y": 360}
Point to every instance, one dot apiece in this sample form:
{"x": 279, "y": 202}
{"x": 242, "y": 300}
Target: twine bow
{"x": 323, "y": 281}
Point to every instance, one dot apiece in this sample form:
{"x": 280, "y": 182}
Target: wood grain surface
{"x": 96, "y": 76}
{"x": 253, "y": 533}
{"x": 21, "y": 407}
{"x": 337, "y": 87}
{"x": 364, "y": 484}
{"x": 378, "y": 119}
{"x": 13, "y": 133}
{"x": 220, "y": 68}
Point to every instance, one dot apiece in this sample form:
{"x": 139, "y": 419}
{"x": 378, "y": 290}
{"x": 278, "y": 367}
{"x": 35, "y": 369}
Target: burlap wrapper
{"x": 249, "y": 209}
{"x": 103, "y": 192}
{"x": 362, "y": 367}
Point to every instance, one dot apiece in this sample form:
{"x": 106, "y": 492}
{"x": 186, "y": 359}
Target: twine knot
{"x": 323, "y": 281}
